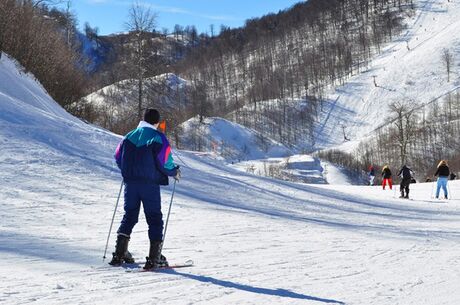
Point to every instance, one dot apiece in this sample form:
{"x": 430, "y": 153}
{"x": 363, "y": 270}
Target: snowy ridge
{"x": 229, "y": 140}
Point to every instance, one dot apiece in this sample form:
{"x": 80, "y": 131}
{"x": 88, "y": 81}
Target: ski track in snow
{"x": 254, "y": 240}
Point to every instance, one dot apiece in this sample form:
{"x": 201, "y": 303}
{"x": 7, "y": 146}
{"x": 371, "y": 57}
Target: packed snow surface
{"x": 254, "y": 240}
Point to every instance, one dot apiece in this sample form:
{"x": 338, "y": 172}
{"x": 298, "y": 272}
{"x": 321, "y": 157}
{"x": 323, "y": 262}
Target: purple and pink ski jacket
{"x": 144, "y": 155}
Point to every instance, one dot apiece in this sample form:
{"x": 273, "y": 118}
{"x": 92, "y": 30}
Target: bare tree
{"x": 405, "y": 127}
{"x": 142, "y": 22}
{"x": 37, "y": 42}
{"x": 448, "y": 60}
{"x": 37, "y": 3}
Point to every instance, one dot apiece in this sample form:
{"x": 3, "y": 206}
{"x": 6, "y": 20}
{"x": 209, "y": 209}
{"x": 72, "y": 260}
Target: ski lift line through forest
{"x": 323, "y": 125}
{"x": 414, "y": 109}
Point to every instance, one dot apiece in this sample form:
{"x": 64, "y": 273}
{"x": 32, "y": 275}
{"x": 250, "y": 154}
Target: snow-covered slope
{"x": 254, "y": 240}
{"x": 35, "y": 129}
{"x": 409, "y": 69}
{"x": 16, "y": 87}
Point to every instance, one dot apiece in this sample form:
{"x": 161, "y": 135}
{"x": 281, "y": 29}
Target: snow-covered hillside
{"x": 409, "y": 69}
{"x": 120, "y": 100}
{"x": 254, "y": 240}
{"x": 126, "y": 91}
{"x": 249, "y": 151}
{"x": 229, "y": 140}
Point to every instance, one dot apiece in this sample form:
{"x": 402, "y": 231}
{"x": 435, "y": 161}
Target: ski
{"x": 186, "y": 264}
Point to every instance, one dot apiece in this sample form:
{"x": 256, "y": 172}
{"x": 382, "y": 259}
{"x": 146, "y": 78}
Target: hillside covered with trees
{"x": 42, "y": 40}
{"x": 290, "y": 56}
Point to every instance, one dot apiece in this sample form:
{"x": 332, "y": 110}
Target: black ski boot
{"x": 162, "y": 261}
{"x": 155, "y": 259}
{"x": 121, "y": 253}
{"x": 128, "y": 258}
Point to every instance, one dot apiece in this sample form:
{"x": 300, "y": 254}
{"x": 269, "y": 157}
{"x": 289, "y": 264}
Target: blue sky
{"x": 110, "y": 15}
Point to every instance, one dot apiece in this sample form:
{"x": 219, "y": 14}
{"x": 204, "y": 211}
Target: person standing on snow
{"x": 443, "y": 174}
{"x": 371, "y": 175}
{"x": 145, "y": 160}
{"x": 406, "y": 174}
{"x": 386, "y": 174}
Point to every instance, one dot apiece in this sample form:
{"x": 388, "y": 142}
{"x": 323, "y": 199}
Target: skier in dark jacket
{"x": 144, "y": 157}
{"x": 443, "y": 174}
{"x": 386, "y": 174}
{"x": 406, "y": 174}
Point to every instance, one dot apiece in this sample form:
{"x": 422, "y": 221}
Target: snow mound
{"x": 229, "y": 140}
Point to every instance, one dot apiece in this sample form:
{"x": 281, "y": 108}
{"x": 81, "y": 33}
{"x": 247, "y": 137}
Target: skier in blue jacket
{"x": 145, "y": 160}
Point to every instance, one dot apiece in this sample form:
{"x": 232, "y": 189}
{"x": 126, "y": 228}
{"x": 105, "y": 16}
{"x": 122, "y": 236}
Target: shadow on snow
{"x": 267, "y": 291}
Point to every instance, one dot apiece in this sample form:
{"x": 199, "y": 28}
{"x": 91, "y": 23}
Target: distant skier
{"x": 406, "y": 174}
{"x": 386, "y": 174}
{"x": 443, "y": 173}
{"x": 371, "y": 175}
{"x": 144, "y": 157}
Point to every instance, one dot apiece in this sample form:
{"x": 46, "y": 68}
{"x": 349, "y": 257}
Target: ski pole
{"x": 167, "y": 218}
{"x": 111, "y": 223}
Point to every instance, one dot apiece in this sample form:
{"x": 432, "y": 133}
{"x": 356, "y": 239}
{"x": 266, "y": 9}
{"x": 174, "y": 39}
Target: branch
{"x": 51, "y": 2}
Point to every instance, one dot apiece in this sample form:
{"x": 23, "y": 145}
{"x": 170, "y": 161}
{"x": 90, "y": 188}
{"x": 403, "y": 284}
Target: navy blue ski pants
{"x": 149, "y": 194}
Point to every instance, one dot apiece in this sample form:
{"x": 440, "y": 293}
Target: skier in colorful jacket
{"x": 145, "y": 160}
{"x": 443, "y": 174}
